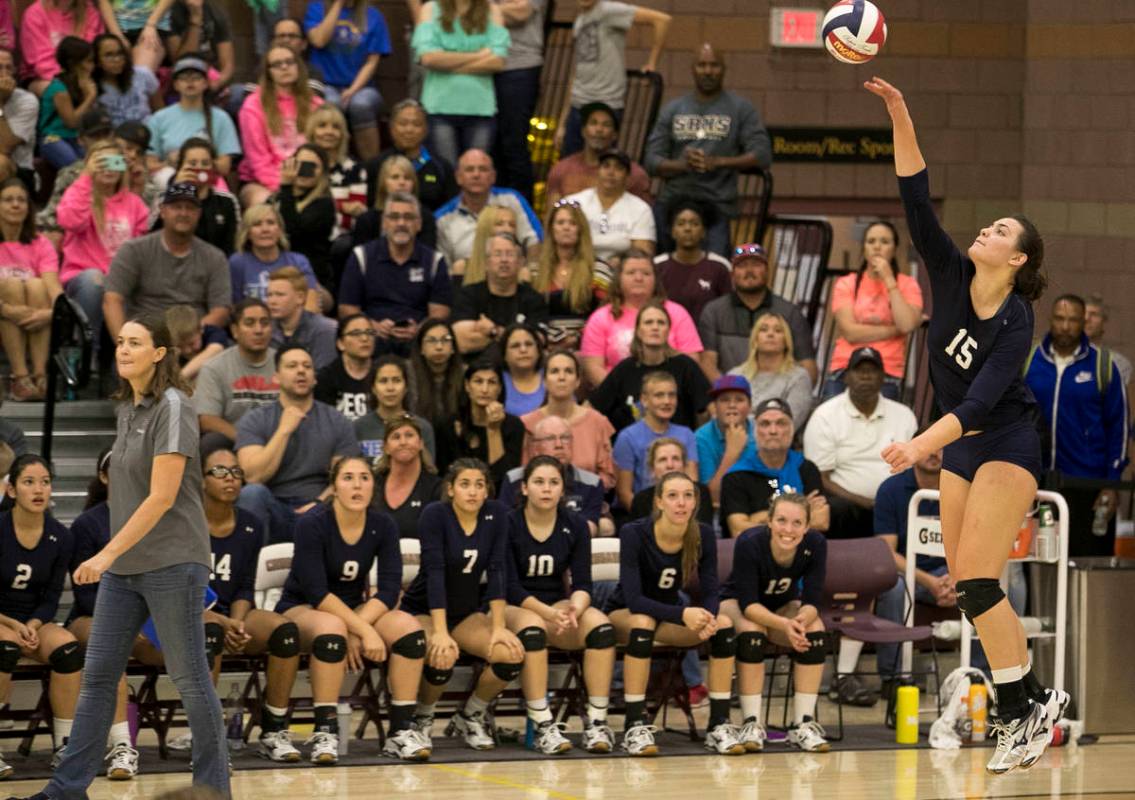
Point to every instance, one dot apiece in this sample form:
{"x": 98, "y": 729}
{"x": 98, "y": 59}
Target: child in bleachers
{"x": 43, "y": 26}
{"x": 127, "y": 90}
{"x": 69, "y": 95}
{"x": 201, "y": 28}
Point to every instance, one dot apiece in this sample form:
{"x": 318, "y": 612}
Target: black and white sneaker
{"x": 473, "y": 729}
{"x": 408, "y": 745}
{"x": 1014, "y": 737}
{"x": 598, "y": 738}
{"x": 723, "y": 740}
{"x": 1054, "y": 706}
{"x": 121, "y": 762}
{"x": 277, "y": 746}
{"x": 638, "y": 740}
{"x": 550, "y": 739}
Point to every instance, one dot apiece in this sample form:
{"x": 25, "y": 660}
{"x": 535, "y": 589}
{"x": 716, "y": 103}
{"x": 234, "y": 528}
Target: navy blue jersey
{"x": 31, "y": 581}
{"x": 325, "y": 564}
{"x": 537, "y": 569}
{"x": 233, "y": 560}
{"x": 453, "y": 562}
{"x": 649, "y": 579}
{"x": 583, "y": 494}
{"x": 757, "y": 578}
{"x": 975, "y": 364}
{"x": 90, "y": 533}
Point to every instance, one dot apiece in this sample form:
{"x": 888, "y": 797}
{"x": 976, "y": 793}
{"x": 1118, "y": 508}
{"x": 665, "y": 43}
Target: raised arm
{"x": 908, "y": 158}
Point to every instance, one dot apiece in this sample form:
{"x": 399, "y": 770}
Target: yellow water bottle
{"x": 977, "y": 709}
{"x": 906, "y": 715}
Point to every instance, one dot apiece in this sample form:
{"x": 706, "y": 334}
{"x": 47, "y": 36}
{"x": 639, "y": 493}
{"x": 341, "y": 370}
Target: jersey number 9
{"x": 350, "y": 570}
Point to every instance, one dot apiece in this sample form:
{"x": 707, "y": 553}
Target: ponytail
{"x": 1030, "y": 280}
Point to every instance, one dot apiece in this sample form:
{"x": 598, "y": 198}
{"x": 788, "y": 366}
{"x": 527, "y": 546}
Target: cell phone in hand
{"x": 306, "y": 169}
{"x": 113, "y": 162}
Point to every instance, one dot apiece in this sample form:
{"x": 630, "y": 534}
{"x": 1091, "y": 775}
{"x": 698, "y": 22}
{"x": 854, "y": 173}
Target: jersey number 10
{"x": 964, "y": 354}
{"x": 540, "y": 566}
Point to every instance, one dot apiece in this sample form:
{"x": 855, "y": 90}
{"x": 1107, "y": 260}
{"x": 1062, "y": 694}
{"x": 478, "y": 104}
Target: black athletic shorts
{"x": 1017, "y": 444}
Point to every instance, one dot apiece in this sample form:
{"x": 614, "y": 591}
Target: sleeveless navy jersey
{"x": 233, "y": 560}
{"x": 757, "y": 578}
{"x": 31, "y": 581}
{"x": 454, "y": 562}
{"x": 537, "y": 569}
{"x": 90, "y": 533}
{"x": 325, "y": 564}
{"x": 649, "y": 579}
{"x": 975, "y": 365}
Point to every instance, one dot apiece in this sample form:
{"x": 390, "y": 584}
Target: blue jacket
{"x": 1084, "y": 414}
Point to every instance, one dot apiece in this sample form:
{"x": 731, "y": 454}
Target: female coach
{"x": 979, "y": 337}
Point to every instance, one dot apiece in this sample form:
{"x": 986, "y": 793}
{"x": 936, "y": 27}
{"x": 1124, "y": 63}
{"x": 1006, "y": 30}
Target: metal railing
{"x": 70, "y": 333}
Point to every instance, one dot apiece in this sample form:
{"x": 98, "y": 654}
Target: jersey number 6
{"x": 964, "y": 354}
{"x": 666, "y": 578}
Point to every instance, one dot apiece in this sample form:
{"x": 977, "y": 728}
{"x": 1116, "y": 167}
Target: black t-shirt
{"x": 451, "y": 446}
{"x": 350, "y": 396}
{"x": 405, "y": 516}
{"x": 617, "y": 397}
{"x": 527, "y": 305}
{"x": 745, "y": 492}
{"x": 215, "y": 28}
{"x": 436, "y": 184}
{"x": 643, "y": 504}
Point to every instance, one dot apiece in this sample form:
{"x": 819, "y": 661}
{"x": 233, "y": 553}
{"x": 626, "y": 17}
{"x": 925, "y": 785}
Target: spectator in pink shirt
{"x": 609, "y": 330}
{"x": 98, "y": 213}
{"x": 43, "y": 27}
{"x": 7, "y": 28}
{"x": 29, "y": 284}
{"x": 878, "y": 307}
{"x": 272, "y": 121}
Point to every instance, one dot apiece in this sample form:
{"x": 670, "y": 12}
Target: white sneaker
{"x": 408, "y": 744}
{"x": 752, "y": 734}
{"x": 324, "y": 748}
{"x": 638, "y": 740}
{"x": 1014, "y": 738}
{"x": 424, "y": 725}
{"x": 550, "y": 739}
{"x": 598, "y": 738}
{"x": 809, "y": 736}
{"x": 277, "y": 746}
{"x": 5, "y": 770}
{"x": 182, "y": 743}
{"x": 1055, "y": 704}
{"x": 123, "y": 762}
{"x": 473, "y": 729}
{"x": 723, "y": 739}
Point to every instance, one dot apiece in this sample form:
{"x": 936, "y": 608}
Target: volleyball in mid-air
{"x": 854, "y": 31}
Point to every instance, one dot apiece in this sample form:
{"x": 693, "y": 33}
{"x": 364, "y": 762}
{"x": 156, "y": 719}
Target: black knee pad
{"x": 723, "y": 644}
{"x": 640, "y": 643}
{"x": 534, "y": 639}
{"x": 330, "y": 648}
{"x": 751, "y": 647}
{"x": 817, "y": 649}
{"x": 214, "y": 640}
{"x": 66, "y": 658}
{"x": 507, "y": 672}
{"x": 412, "y": 645}
{"x": 435, "y": 676}
{"x": 284, "y": 641}
{"x": 978, "y": 595}
{"x": 9, "y": 656}
{"x": 601, "y": 637}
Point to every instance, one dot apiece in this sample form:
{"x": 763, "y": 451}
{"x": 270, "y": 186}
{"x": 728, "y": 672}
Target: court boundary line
{"x": 494, "y": 780}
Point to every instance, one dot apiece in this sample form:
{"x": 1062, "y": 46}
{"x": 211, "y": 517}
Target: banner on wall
{"x": 832, "y": 145}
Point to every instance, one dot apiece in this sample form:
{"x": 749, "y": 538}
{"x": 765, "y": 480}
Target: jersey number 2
{"x": 23, "y": 576}
{"x": 964, "y": 354}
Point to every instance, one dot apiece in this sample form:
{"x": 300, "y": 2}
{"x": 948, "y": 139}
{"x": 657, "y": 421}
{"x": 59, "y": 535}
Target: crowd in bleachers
{"x": 404, "y": 319}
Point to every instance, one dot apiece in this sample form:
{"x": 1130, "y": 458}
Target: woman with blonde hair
{"x": 262, "y": 248}
{"x": 569, "y": 275}
{"x": 396, "y": 174}
{"x": 326, "y": 128}
{"x": 272, "y": 121}
{"x": 771, "y": 369}
{"x": 492, "y": 220}
{"x": 308, "y": 210}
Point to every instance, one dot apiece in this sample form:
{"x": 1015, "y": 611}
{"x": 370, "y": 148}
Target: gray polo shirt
{"x": 726, "y": 324}
{"x": 155, "y": 427}
{"x": 152, "y": 279}
{"x": 323, "y": 435}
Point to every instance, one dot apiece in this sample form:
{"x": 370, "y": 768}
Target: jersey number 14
{"x": 963, "y": 355}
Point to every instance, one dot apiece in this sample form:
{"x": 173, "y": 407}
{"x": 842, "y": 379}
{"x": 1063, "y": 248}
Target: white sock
{"x": 804, "y": 705}
{"x": 1007, "y": 675}
{"x": 119, "y": 734}
{"x": 1027, "y": 668}
{"x": 475, "y": 705}
{"x": 424, "y": 710}
{"x": 849, "y": 652}
{"x": 277, "y": 712}
{"x": 597, "y": 709}
{"x": 538, "y": 711}
{"x": 60, "y": 730}
{"x": 751, "y": 707}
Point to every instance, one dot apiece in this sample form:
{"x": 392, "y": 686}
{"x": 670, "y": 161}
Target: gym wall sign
{"x": 832, "y": 145}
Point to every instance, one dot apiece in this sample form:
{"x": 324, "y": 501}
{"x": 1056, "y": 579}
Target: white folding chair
{"x": 272, "y": 570}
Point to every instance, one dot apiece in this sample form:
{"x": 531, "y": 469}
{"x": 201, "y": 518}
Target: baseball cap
{"x": 865, "y": 354}
{"x": 730, "y": 383}
{"x": 773, "y": 404}
{"x": 95, "y": 122}
{"x": 618, "y": 155}
{"x": 748, "y": 250}
{"x": 590, "y": 108}
{"x": 179, "y": 192}
{"x": 134, "y": 132}
{"x": 190, "y": 63}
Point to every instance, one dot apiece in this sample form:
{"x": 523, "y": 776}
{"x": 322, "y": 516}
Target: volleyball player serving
{"x": 980, "y": 334}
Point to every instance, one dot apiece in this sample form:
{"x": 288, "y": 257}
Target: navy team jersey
{"x": 975, "y": 364}
{"x": 325, "y": 564}
{"x": 649, "y": 579}
{"x": 90, "y": 533}
{"x": 233, "y": 560}
{"x": 757, "y": 578}
{"x": 31, "y": 581}
{"x": 454, "y": 562}
{"x": 537, "y": 569}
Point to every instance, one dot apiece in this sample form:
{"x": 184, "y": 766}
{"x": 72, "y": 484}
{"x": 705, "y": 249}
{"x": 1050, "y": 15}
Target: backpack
{"x": 1103, "y": 367}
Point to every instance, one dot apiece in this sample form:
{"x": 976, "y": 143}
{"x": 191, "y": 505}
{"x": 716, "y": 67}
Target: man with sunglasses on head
{"x": 727, "y": 321}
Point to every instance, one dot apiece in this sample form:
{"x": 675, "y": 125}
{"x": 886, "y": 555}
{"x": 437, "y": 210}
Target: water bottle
{"x": 906, "y": 715}
{"x": 977, "y": 710}
{"x": 234, "y": 730}
{"x": 1103, "y": 512}
{"x": 1046, "y": 549}
{"x": 343, "y": 711}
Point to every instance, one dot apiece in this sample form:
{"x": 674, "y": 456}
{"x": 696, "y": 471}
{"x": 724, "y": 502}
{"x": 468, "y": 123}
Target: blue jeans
{"x": 717, "y": 235}
{"x": 86, "y": 289}
{"x": 573, "y": 130}
{"x": 833, "y": 385}
{"x": 453, "y": 134}
{"x": 277, "y": 513}
{"x": 61, "y": 152}
{"x": 362, "y": 110}
{"x": 174, "y": 597}
{"x": 517, "y": 90}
